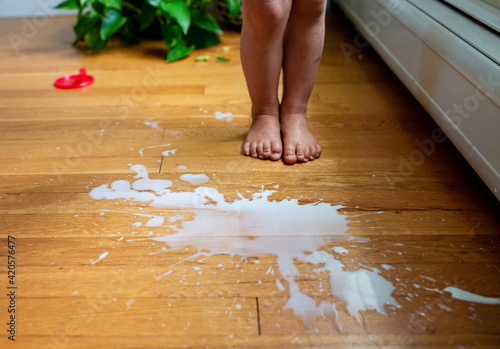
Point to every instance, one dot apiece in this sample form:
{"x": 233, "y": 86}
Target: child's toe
{"x": 289, "y": 155}
{"x": 318, "y": 151}
{"x": 276, "y": 150}
{"x": 300, "y": 152}
{"x": 266, "y": 149}
{"x": 246, "y": 149}
{"x": 307, "y": 153}
{"x": 253, "y": 149}
{"x": 260, "y": 150}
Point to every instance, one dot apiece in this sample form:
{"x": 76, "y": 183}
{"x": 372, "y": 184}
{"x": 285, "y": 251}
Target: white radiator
{"x": 450, "y": 61}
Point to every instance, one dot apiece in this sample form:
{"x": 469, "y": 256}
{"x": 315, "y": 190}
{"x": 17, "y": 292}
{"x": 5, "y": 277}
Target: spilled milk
{"x": 256, "y": 227}
{"x": 458, "y": 293}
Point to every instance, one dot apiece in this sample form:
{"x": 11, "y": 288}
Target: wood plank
{"x": 149, "y": 316}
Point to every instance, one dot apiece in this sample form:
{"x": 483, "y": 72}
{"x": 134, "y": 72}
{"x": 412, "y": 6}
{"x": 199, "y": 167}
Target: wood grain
{"x": 433, "y": 221}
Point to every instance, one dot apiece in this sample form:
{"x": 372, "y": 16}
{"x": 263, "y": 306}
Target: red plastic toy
{"x": 74, "y": 81}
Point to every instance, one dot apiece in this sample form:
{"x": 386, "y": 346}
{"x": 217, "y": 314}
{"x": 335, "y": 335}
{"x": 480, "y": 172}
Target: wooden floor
{"x": 428, "y": 216}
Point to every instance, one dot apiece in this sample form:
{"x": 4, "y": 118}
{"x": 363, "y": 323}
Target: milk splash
{"x": 100, "y": 257}
{"x": 257, "y": 227}
{"x": 195, "y": 178}
{"x": 458, "y": 293}
{"x": 223, "y": 116}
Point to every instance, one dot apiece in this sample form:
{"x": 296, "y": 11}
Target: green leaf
{"x": 68, "y": 5}
{"x": 180, "y": 11}
{"x": 171, "y": 34}
{"x": 179, "y": 51}
{"x": 93, "y": 14}
{"x": 111, "y": 23}
{"x": 98, "y": 8}
{"x": 93, "y": 39}
{"x": 115, "y": 4}
{"x": 148, "y": 15}
{"x": 202, "y": 58}
{"x": 83, "y": 25}
{"x": 234, "y": 7}
{"x": 154, "y": 3}
{"x": 201, "y": 38}
{"x": 203, "y": 20}
{"x": 222, "y": 59}
{"x": 129, "y": 32}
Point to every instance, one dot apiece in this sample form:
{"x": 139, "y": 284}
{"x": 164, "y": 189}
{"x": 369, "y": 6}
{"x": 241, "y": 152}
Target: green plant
{"x": 184, "y": 24}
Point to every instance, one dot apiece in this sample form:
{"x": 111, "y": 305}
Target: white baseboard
{"x": 30, "y": 8}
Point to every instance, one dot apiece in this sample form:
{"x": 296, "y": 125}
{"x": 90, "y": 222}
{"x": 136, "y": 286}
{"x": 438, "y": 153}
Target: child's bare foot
{"x": 299, "y": 143}
{"x": 264, "y": 138}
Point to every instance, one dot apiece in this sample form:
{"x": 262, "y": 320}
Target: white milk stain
{"x": 427, "y": 288}
{"x": 169, "y": 152}
{"x": 223, "y": 116}
{"x": 279, "y": 285}
{"x": 154, "y": 221}
{"x": 129, "y": 303}
{"x": 458, "y": 293}
{"x": 164, "y": 274}
{"x": 259, "y": 227}
{"x": 151, "y": 147}
{"x": 428, "y": 278}
{"x": 152, "y": 124}
{"x": 100, "y": 257}
{"x": 174, "y": 132}
{"x": 195, "y": 178}
{"x": 340, "y": 250}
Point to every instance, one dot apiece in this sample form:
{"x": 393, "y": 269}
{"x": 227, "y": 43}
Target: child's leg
{"x": 264, "y": 23}
{"x": 303, "y": 47}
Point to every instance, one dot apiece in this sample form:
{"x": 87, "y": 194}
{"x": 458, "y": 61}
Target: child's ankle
{"x": 293, "y": 110}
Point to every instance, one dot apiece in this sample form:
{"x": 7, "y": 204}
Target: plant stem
{"x": 162, "y": 22}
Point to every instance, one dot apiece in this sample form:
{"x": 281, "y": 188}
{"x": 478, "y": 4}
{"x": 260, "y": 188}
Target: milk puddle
{"x": 256, "y": 227}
